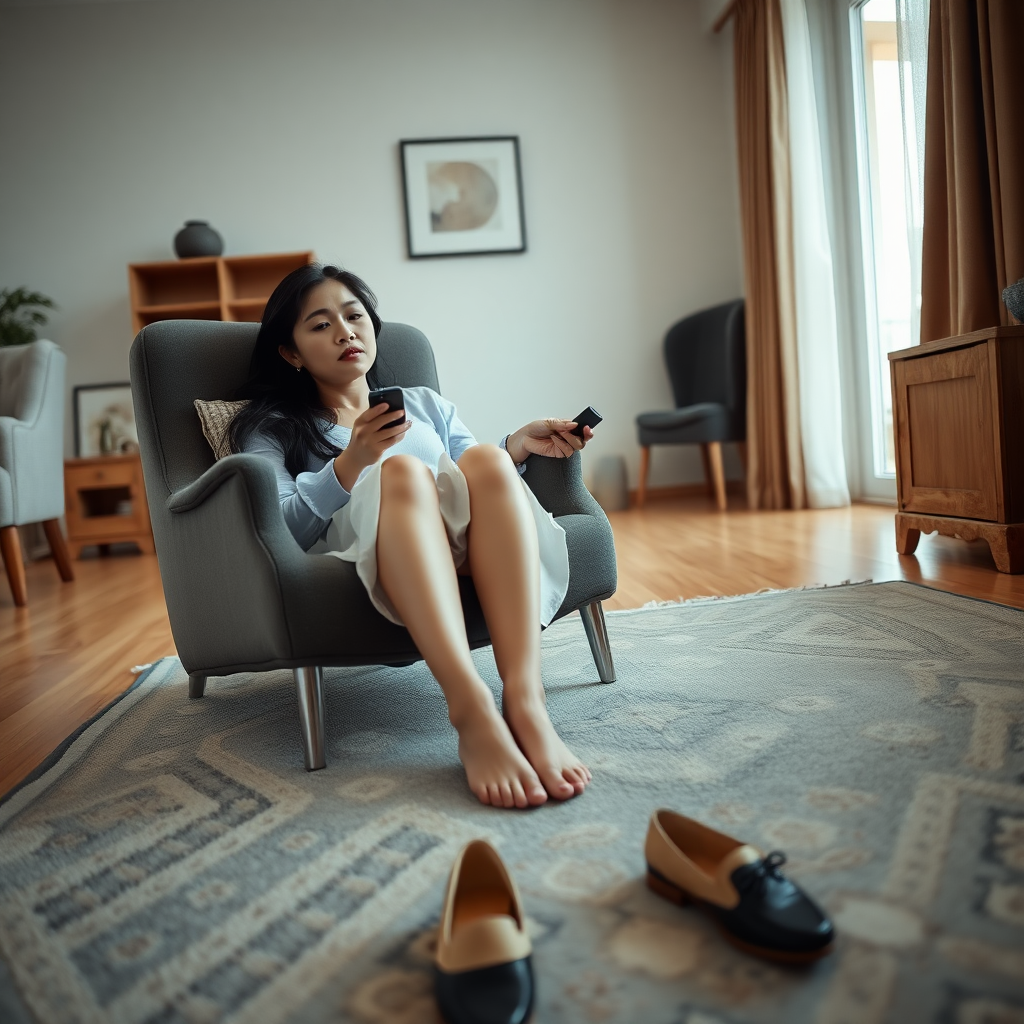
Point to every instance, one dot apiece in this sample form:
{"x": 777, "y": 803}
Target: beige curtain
{"x": 973, "y": 242}
{"x": 775, "y": 471}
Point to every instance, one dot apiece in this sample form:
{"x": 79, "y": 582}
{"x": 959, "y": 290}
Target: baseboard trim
{"x": 675, "y": 491}
{"x": 34, "y": 544}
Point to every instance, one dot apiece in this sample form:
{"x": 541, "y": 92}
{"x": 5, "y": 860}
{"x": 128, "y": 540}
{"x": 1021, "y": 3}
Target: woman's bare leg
{"x": 415, "y": 568}
{"x": 505, "y": 564}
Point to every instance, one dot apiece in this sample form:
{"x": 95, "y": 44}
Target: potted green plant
{"x": 21, "y": 312}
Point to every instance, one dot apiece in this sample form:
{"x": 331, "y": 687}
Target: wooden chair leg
{"x": 717, "y": 473}
{"x": 59, "y": 549}
{"x": 10, "y": 548}
{"x": 705, "y": 459}
{"x": 645, "y": 465}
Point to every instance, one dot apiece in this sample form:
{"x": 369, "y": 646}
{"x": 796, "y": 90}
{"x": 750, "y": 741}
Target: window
{"x": 889, "y": 217}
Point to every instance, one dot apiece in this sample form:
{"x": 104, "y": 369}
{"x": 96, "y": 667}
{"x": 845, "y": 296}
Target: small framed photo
{"x": 105, "y": 420}
{"x": 463, "y": 196}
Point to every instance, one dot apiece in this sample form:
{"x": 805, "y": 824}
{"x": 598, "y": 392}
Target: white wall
{"x": 278, "y": 121}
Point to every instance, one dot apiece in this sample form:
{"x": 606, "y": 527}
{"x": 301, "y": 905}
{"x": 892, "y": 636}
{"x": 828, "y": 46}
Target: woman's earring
{"x": 298, "y": 369}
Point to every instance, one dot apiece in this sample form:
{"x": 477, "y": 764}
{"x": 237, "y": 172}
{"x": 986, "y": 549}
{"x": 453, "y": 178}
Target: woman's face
{"x": 334, "y": 338}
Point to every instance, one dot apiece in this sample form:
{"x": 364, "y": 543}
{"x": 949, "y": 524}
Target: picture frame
{"x": 463, "y": 196}
{"x": 104, "y": 420}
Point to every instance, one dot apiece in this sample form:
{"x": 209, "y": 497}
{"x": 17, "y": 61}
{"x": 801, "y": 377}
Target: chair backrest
{"x": 706, "y": 357}
{"x": 174, "y": 362}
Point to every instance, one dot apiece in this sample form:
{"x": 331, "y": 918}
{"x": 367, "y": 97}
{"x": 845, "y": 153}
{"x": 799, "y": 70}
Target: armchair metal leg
{"x": 597, "y": 633}
{"x": 309, "y": 682}
{"x": 196, "y": 684}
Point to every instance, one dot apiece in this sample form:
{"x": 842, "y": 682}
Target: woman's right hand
{"x": 371, "y": 438}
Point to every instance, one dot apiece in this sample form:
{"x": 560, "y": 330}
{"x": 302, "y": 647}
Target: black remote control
{"x": 590, "y": 417}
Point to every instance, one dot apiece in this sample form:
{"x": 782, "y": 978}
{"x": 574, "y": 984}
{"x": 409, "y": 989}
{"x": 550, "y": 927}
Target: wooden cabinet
{"x": 958, "y": 418}
{"x": 207, "y": 287}
{"x": 105, "y": 503}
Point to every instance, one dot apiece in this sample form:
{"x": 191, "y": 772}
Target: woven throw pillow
{"x": 216, "y": 418}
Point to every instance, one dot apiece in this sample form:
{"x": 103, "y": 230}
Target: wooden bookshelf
{"x": 207, "y": 287}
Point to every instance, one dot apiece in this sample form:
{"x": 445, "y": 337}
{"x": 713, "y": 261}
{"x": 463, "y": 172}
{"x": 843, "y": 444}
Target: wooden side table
{"x": 105, "y": 501}
{"x": 958, "y": 418}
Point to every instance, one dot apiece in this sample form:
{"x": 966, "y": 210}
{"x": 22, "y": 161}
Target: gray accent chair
{"x": 31, "y": 455}
{"x": 706, "y": 359}
{"x": 241, "y": 593}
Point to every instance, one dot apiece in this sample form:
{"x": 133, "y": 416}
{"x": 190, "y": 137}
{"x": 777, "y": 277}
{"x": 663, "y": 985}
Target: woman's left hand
{"x": 551, "y": 438}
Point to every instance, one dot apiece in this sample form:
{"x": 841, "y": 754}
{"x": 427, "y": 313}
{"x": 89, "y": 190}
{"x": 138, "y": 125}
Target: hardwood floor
{"x": 70, "y": 652}
{"x": 685, "y": 548}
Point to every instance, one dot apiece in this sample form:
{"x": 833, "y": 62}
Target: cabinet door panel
{"x": 945, "y": 437}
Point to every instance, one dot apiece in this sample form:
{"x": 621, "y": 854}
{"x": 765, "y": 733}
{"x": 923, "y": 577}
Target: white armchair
{"x": 31, "y": 454}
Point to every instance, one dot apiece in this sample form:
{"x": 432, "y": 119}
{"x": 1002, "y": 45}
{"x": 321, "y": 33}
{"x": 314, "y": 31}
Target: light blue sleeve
{"x": 309, "y": 500}
{"x": 459, "y": 437}
{"x": 453, "y": 432}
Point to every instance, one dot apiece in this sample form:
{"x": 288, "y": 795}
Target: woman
{"x": 413, "y": 504}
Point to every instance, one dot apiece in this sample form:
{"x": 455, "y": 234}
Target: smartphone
{"x": 590, "y": 417}
{"x": 396, "y": 403}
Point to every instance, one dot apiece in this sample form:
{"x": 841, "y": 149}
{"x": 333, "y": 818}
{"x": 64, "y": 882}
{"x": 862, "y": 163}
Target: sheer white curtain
{"x": 912, "y": 46}
{"x": 814, "y": 283}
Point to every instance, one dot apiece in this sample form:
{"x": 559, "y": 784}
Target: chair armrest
{"x": 8, "y": 433}
{"x": 214, "y": 511}
{"x": 7, "y": 425}
{"x": 225, "y": 556}
{"x": 558, "y": 485}
{"x": 256, "y": 474}
{"x": 33, "y": 455}
{"x": 32, "y": 439}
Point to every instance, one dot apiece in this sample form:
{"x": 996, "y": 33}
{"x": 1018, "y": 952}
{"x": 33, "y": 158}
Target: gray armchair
{"x": 706, "y": 358}
{"x": 241, "y": 594}
{"x": 31, "y": 455}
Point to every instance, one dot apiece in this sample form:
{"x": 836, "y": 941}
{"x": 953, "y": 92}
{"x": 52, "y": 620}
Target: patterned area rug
{"x": 177, "y": 864}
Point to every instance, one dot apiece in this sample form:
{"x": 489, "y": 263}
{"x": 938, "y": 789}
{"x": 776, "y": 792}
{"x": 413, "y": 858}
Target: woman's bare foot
{"x": 496, "y": 769}
{"x": 563, "y": 774}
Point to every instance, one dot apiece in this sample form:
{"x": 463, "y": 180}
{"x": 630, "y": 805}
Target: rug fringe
{"x": 744, "y": 597}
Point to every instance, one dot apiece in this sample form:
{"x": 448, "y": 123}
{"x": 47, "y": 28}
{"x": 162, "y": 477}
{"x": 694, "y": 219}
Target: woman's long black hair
{"x": 282, "y": 403}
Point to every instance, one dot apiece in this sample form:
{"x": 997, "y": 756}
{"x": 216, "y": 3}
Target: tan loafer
{"x": 483, "y": 972}
{"x": 757, "y": 908}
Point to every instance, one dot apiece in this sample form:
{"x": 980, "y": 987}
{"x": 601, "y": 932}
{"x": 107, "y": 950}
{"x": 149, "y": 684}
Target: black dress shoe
{"x": 482, "y": 970}
{"x": 757, "y": 908}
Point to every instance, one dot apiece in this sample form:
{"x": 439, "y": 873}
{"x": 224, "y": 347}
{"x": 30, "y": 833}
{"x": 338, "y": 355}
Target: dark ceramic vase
{"x": 197, "y": 238}
{"x": 1013, "y": 299}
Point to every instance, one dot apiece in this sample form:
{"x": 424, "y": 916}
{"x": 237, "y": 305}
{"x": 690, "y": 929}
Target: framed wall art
{"x": 104, "y": 420}
{"x": 463, "y": 196}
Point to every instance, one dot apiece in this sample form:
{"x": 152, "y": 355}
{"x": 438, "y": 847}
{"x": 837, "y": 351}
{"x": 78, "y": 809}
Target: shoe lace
{"x": 758, "y": 874}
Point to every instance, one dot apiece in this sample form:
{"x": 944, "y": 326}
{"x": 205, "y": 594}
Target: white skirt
{"x": 352, "y": 536}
